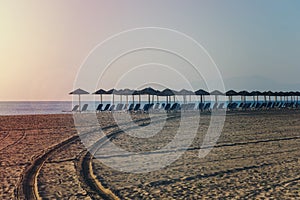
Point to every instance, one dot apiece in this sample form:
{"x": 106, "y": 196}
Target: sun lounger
{"x": 174, "y": 107}
{"x": 200, "y": 106}
{"x": 137, "y": 107}
{"x": 167, "y": 107}
{"x": 75, "y": 109}
{"x": 106, "y": 107}
{"x": 84, "y": 107}
{"x": 119, "y": 107}
{"x": 156, "y": 106}
{"x": 99, "y": 107}
{"x": 125, "y": 107}
{"x": 207, "y": 107}
{"x": 221, "y": 106}
{"x": 112, "y": 108}
{"x": 215, "y": 106}
{"x": 146, "y": 107}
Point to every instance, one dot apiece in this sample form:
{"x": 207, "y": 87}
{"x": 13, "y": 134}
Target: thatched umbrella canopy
{"x": 230, "y": 94}
{"x": 202, "y": 93}
{"x": 184, "y": 93}
{"x": 126, "y": 92}
{"x": 281, "y": 94}
{"x": 148, "y": 91}
{"x": 79, "y": 92}
{"x": 269, "y": 93}
{"x": 167, "y": 93}
{"x": 243, "y": 94}
{"x": 255, "y": 93}
{"x": 297, "y": 94}
{"x": 113, "y": 92}
{"x": 217, "y": 93}
{"x": 136, "y": 92}
{"x": 100, "y": 92}
{"x": 292, "y": 95}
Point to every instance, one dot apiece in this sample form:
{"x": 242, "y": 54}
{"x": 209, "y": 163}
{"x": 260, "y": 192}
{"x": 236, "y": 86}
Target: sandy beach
{"x": 256, "y": 156}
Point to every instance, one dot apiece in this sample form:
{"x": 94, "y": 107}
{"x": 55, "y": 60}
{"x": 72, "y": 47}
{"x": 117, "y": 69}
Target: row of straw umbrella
{"x": 168, "y": 93}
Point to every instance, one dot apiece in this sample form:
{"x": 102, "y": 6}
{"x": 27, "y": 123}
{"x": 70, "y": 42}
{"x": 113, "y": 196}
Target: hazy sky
{"x": 255, "y": 44}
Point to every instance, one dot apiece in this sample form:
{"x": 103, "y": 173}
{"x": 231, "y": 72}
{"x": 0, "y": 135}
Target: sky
{"x": 44, "y": 44}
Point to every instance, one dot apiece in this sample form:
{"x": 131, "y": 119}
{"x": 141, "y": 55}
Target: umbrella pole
{"x": 152, "y": 98}
{"x": 79, "y": 103}
{"x": 201, "y": 97}
{"x": 174, "y": 99}
{"x": 121, "y": 98}
{"x": 148, "y": 98}
{"x": 100, "y": 98}
{"x": 133, "y": 99}
{"x": 139, "y": 99}
{"x": 126, "y": 99}
{"x": 113, "y": 99}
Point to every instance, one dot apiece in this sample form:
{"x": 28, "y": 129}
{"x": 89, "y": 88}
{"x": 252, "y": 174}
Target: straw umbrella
{"x": 148, "y": 91}
{"x": 243, "y": 94}
{"x": 100, "y": 92}
{"x": 113, "y": 92}
{"x": 126, "y": 92}
{"x": 79, "y": 92}
{"x": 230, "y": 94}
{"x": 216, "y": 93}
{"x": 137, "y": 92}
{"x": 255, "y": 93}
{"x": 184, "y": 93}
{"x": 167, "y": 93}
{"x": 202, "y": 93}
{"x": 281, "y": 94}
{"x": 270, "y": 93}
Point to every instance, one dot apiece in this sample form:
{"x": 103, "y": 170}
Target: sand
{"x": 256, "y": 156}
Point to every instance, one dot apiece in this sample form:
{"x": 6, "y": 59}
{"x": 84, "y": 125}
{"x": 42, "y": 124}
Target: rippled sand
{"x": 256, "y": 156}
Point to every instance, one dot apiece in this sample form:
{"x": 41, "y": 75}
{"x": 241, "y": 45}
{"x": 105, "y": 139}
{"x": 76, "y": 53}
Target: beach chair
{"x": 269, "y": 104}
{"x": 137, "y": 107}
{"x": 125, "y": 107}
{"x": 248, "y": 105}
{"x": 200, "y": 106}
{"x": 75, "y": 109}
{"x": 106, "y": 107}
{"x": 221, "y": 106}
{"x": 257, "y": 105}
{"x": 162, "y": 106}
{"x": 234, "y": 106}
{"x": 99, "y": 107}
{"x": 229, "y": 105}
{"x": 280, "y": 105}
{"x": 119, "y": 107}
{"x": 207, "y": 107}
{"x": 215, "y": 106}
{"x": 191, "y": 106}
{"x": 84, "y": 107}
{"x": 173, "y": 107}
{"x": 167, "y": 107}
{"x": 146, "y": 108}
{"x": 131, "y": 107}
{"x": 253, "y": 105}
{"x": 241, "y": 105}
{"x": 156, "y": 106}
{"x": 263, "y": 105}
{"x": 112, "y": 107}
{"x": 183, "y": 107}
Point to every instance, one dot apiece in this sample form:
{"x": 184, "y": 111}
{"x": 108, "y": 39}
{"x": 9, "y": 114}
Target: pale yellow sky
{"x": 43, "y": 43}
